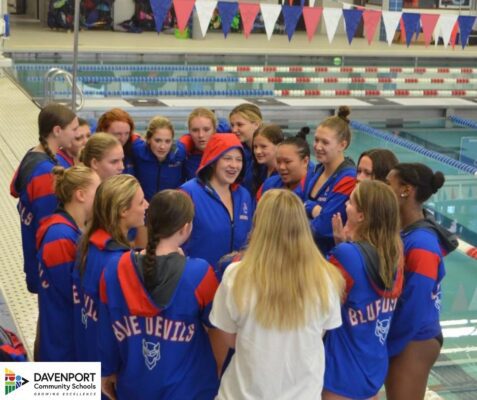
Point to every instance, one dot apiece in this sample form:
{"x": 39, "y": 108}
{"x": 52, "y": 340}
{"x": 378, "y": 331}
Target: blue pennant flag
{"x": 227, "y": 12}
{"x": 291, "y": 14}
{"x": 160, "y": 8}
{"x": 411, "y": 25}
{"x": 466, "y": 22}
{"x": 352, "y": 19}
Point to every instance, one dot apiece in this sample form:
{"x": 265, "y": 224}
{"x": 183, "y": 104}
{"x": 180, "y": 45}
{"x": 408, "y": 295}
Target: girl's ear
{"x": 79, "y": 195}
{"x": 56, "y": 131}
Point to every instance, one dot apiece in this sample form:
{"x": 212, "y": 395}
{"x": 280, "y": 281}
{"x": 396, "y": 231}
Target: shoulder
{"x": 346, "y": 253}
{"x": 191, "y": 186}
{"x": 421, "y": 238}
{"x": 272, "y": 182}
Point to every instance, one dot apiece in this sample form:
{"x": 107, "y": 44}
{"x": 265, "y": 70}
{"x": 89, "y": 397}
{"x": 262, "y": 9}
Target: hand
{"x": 108, "y": 386}
{"x": 338, "y": 229}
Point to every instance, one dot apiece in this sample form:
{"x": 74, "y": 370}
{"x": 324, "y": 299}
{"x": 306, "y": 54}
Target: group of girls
{"x": 335, "y": 291}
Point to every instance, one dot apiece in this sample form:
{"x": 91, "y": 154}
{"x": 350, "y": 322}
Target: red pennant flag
{"x": 312, "y": 16}
{"x": 453, "y": 37}
{"x": 371, "y": 20}
{"x": 428, "y": 22}
{"x": 183, "y": 9}
{"x": 248, "y": 12}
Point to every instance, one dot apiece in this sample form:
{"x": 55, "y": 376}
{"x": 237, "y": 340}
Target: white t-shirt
{"x": 268, "y": 363}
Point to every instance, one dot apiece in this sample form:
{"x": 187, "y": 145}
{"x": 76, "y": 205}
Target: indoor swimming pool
{"x": 436, "y": 142}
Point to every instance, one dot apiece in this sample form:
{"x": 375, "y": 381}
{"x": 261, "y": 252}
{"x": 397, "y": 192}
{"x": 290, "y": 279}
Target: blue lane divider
{"x": 176, "y": 93}
{"x": 109, "y": 79}
{"x": 468, "y": 123}
{"x": 389, "y": 137}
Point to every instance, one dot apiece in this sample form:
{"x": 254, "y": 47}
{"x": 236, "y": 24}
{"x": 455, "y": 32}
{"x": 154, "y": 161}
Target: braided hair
{"x": 52, "y": 115}
{"x": 169, "y": 210}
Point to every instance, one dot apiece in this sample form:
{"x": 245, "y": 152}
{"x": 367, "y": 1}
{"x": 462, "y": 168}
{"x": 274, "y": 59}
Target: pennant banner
{"x": 352, "y": 19}
{"x": 428, "y": 22}
{"x": 227, "y": 12}
{"x": 205, "y": 10}
{"x": 371, "y": 20}
{"x": 270, "y": 14}
{"x": 160, "y": 8}
{"x": 391, "y": 21}
{"x": 411, "y": 25}
{"x": 183, "y": 9}
{"x": 311, "y": 16}
{"x": 248, "y": 12}
{"x": 444, "y": 27}
{"x": 332, "y": 18}
{"x": 466, "y": 22}
{"x": 291, "y": 14}
{"x": 447, "y": 26}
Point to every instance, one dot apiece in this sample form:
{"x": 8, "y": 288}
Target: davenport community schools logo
{"x": 13, "y": 381}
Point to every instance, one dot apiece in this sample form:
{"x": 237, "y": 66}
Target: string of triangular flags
{"x": 433, "y": 26}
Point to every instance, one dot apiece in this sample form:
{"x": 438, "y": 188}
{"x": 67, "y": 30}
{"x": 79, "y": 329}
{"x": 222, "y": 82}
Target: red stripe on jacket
{"x": 204, "y": 293}
{"x": 423, "y": 262}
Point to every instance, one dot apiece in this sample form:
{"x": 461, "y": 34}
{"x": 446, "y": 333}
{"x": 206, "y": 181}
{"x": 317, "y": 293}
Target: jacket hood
{"x": 447, "y": 240}
{"x": 217, "y": 146}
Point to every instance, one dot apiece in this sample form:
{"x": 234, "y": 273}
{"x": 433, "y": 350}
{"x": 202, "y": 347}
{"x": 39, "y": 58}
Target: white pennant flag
{"x": 444, "y": 27}
{"x": 205, "y": 9}
{"x": 270, "y": 13}
{"x": 347, "y": 6}
{"x": 391, "y": 21}
{"x": 332, "y": 18}
{"x": 311, "y": 3}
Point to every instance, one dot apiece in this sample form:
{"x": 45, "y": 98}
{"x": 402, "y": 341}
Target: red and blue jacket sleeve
{"x": 204, "y": 294}
{"x": 58, "y": 253}
{"x": 108, "y": 346}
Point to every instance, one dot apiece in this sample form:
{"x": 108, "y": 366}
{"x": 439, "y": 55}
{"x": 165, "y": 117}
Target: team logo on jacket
{"x": 437, "y": 298}
{"x": 151, "y": 352}
{"x": 382, "y": 329}
{"x": 244, "y": 213}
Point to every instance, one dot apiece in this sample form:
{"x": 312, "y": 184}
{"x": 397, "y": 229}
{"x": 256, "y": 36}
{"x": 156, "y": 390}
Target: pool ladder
{"x": 49, "y": 91}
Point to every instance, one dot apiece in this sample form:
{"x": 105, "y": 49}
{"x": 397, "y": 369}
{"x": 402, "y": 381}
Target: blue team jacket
{"x": 164, "y": 351}
{"x": 302, "y": 190}
{"x": 418, "y": 309}
{"x": 64, "y": 159}
{"x": 33, "y": 185}
{"x": 154, "y": 175}
{"x": 332, "y": 198}
{"x": 356, "y": 352}
{"x": 102, "y": 248}
{"x": 214, "y": 233}
{"x": 57, "y": 239}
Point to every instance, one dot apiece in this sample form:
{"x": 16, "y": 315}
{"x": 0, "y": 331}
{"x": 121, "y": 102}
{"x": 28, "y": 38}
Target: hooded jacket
{"x": 155, "y": 338}
{"x": 102, "y": 248}
{"x": 418, "y": 310}
{"x": 332, "y": 198}
{"x": 33, "y": 185}
{"x": 57, "y": 239}
{"x": 367, "y": 312}
{"x": 214, "y": 232}
{"x": 155, "y": 175}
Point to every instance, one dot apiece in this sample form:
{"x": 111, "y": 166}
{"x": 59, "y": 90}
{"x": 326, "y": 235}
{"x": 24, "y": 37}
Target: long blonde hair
{"x": 380, "y": 226}
{"x": 282, "y": 268}
{"x": 112, "y": 197}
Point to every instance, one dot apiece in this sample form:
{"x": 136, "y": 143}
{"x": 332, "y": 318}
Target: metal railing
{"x": 49, "y": 90}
